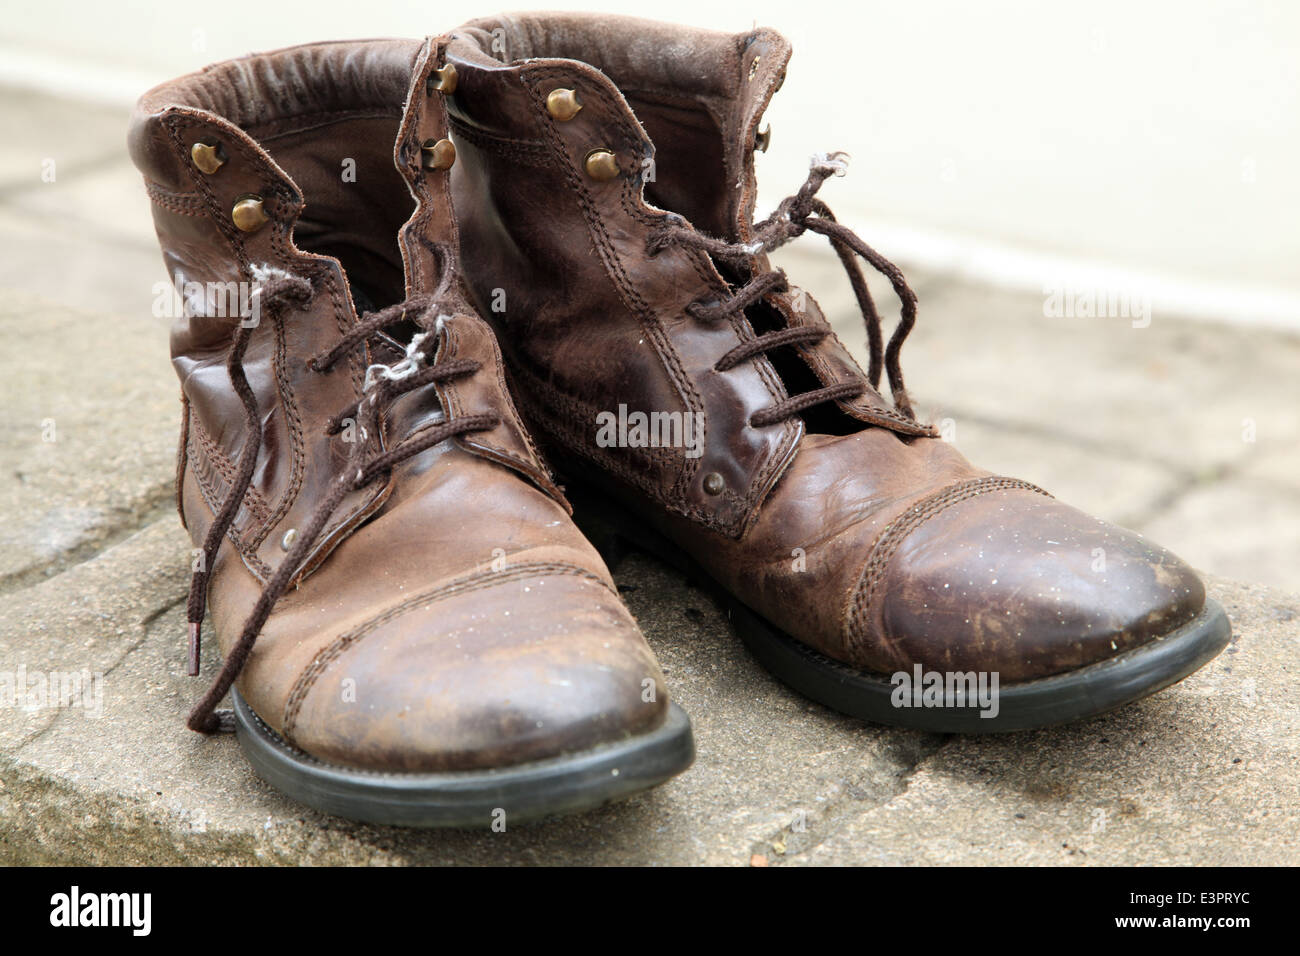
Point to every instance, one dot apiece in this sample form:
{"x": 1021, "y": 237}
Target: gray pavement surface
{"x": 1187, "y": 432}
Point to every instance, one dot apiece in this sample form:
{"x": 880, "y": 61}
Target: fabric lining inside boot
{"x": 690, "y": 173}
{"x": 357, "y": 221}
{"x": 328, "y": 115}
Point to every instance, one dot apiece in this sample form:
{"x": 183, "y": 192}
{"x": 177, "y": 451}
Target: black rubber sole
{"x": 1061, "y": 698}
{"x": 472, "y": 798}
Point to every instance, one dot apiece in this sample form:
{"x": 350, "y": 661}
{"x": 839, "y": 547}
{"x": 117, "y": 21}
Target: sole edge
{"x": 470, "y": 799}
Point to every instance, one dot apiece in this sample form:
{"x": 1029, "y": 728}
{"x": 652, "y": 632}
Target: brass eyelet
{"x": 438, "y": 155}
{"x": 563, "y": 104}
{"x": 207, "y": 157}
{"x": 249, "y": 214}
{"x": 601, "y": 164}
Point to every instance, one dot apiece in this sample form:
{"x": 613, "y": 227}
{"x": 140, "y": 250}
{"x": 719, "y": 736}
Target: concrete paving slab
{"x": 1204, "y": 772}
{"x": 1188, "y": 432}
{"x": 88, "y": 448}
{"x": 1264, "y": 543}
{"x": 58, "y": 262}
{"x": 1199, "y": 774}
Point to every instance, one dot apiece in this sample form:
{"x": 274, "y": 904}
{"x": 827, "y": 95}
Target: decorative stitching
{"x": 208, "y": 449}
{"x": 183, "y": 204}
{"x": 533, "y": 468}
{"x": 202, "y": 468}
{"x": 887, "y": 543}
{"x": 525, "y": 152}
{"x": 476, "y": 581}
{"x": 575, "y": 410}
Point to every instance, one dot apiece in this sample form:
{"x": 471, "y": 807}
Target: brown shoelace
{"x": 795, "y": 215}
{"x": 383, "y": 384}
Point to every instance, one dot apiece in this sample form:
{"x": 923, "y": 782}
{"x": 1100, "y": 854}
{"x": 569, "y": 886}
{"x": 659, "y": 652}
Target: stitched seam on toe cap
{"x": 478, "y": 581}
{"x": 889, "y": 540}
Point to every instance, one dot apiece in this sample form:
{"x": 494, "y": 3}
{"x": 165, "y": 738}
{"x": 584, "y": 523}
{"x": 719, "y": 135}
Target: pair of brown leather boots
{"x": 413, "y": 628}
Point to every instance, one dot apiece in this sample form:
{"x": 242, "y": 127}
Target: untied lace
{"x": 793, "y": 216}
{"x": 365, "y": 463}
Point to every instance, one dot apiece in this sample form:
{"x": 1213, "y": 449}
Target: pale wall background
{"x": 1150, "y": 148}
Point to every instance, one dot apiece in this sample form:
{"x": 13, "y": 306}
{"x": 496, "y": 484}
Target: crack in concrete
{"x": 1183, "y": 479}
{"x": 152, "y": 506}
{"x": 145, "y": 624}
{"x": 853, "y": 801}
{"x": 1185, "y": 485}
{"x": 150, "y": 619}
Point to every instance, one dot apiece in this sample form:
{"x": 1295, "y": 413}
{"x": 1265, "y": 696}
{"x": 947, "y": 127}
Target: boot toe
{"x": 1020, "y": 584}
{"x": 493, "y": 676}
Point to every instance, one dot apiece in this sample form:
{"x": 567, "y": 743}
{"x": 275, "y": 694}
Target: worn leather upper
{"x": 451, "y": 616}
{"x": 853, "y": 527}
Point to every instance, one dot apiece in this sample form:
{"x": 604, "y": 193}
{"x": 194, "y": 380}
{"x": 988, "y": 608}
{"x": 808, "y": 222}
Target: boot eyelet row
{"x": 249, "y": 212}
{"x": 562, "y": 104}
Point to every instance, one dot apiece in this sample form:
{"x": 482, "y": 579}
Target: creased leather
{"x": 990, "y": 573}
{"x": 453, "y": 617}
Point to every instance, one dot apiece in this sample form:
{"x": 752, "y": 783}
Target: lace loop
{"x": 749, "y": 294}
{"x": 795, "y": 335}
{"x": 797, "y": 403}
{"x": 793, "y": 216}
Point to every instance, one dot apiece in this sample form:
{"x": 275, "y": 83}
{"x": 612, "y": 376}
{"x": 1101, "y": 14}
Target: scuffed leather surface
{"x": 452, "y": 618}
{"x": 201, "y": 243}
{"x": 590, "y": 320}
{"x": 430, "y": 243}
{"x": 433, "y": 682}
{"x": 1014, "y": 582}
{"x": 994, "y": 575}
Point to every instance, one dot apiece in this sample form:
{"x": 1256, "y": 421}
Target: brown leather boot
{"x": 416, "y": 631}
{"x": 699, "y": 406}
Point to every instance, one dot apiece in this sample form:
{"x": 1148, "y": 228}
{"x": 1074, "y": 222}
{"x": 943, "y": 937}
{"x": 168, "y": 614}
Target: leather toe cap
{"x": 1018, "y": 583}
{"x": 519, "y": 669}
